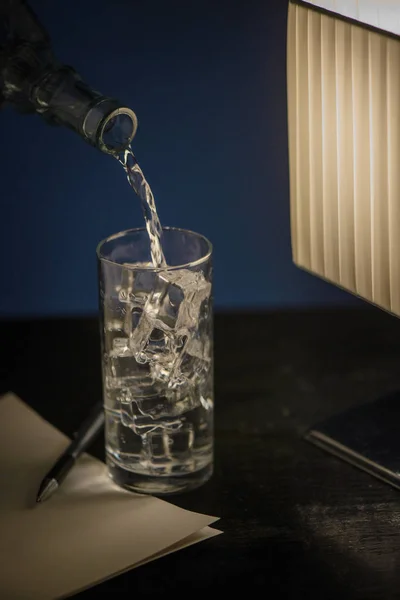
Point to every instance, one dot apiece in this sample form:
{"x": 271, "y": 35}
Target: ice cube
{"x": 124, "y": 289}
{"x": 187, "y": 290}
{"x": 121, "y": 359}
{"x": 113, "y": 315}
{"x": 135, "y": 282}
{"x": 184, "y": 387}
{"x": 169, "y": 314}
{"x": 142, "y": 424}
{"x": 123, "y": 370}
{"x": 132, "y": 317}
{"x": 151, "y": 340}
{"x": 156, "y": 410}
{"x": 173, "y": 404}
{"x": 175, "y": 301}
{"x": 192, "y": 367}
{"x": 183, "y": 399}
{"x": 159, "y": 347}
{"x": 120, "y": 347}
{"x": 172, "y": 446}
{"x": 164, "y": 369}
{"x": 113, "y": 328}
{"x": 147, "y": 320}
{"x": 159, "y": 446}
{"x": 189, "y": 364}
{"x": 132, "y": 295}
{"x": 199, "y": 348}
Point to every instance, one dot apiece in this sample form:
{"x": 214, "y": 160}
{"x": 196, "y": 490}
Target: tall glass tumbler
{"x": 157, "y": 360}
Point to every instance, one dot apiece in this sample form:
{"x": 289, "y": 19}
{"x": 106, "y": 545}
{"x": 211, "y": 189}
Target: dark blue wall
{"x": 208, "y": 83}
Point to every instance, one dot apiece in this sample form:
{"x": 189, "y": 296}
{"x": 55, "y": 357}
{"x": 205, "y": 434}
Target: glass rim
{"x": 140, "y": 266}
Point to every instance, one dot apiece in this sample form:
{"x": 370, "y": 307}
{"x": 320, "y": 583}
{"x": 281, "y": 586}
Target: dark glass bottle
{"x": 33, "y": 81}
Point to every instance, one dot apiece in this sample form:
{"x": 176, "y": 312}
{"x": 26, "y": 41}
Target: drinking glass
{"x": 157, "y": 360}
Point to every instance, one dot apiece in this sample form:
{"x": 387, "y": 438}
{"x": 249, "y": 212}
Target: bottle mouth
{"x": 110, "y": 126}
{"x": 117, "y": 130}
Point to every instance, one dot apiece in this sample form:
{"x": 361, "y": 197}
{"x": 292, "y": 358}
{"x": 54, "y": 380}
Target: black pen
{"x": 86, "y": 433}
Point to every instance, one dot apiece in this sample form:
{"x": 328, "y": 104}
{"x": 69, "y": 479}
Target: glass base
{"x": 158, "y": 485}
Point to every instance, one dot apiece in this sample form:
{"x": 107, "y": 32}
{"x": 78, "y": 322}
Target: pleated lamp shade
{"x": 343, "y": 76}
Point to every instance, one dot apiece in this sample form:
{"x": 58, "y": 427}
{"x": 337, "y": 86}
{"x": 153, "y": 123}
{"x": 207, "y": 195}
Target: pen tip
{"x": 45, "y": 491}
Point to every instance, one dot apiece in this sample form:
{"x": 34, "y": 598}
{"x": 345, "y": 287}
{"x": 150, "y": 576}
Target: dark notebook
{"x": 366, "y": 436}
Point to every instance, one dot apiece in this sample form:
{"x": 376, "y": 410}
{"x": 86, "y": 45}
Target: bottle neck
{"x": 31, "y": 80}
{"x": 62, "y": 97}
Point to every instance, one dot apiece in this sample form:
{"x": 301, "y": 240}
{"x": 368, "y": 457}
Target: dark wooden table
{"x": 297, "y": 523}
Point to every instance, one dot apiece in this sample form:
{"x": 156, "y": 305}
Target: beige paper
{"x": 344, "y": 150}
{"x": 88, "y": 531}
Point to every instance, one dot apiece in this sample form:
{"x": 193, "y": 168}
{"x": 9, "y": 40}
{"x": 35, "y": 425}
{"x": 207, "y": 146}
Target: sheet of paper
{"x": 88, "y": 531}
